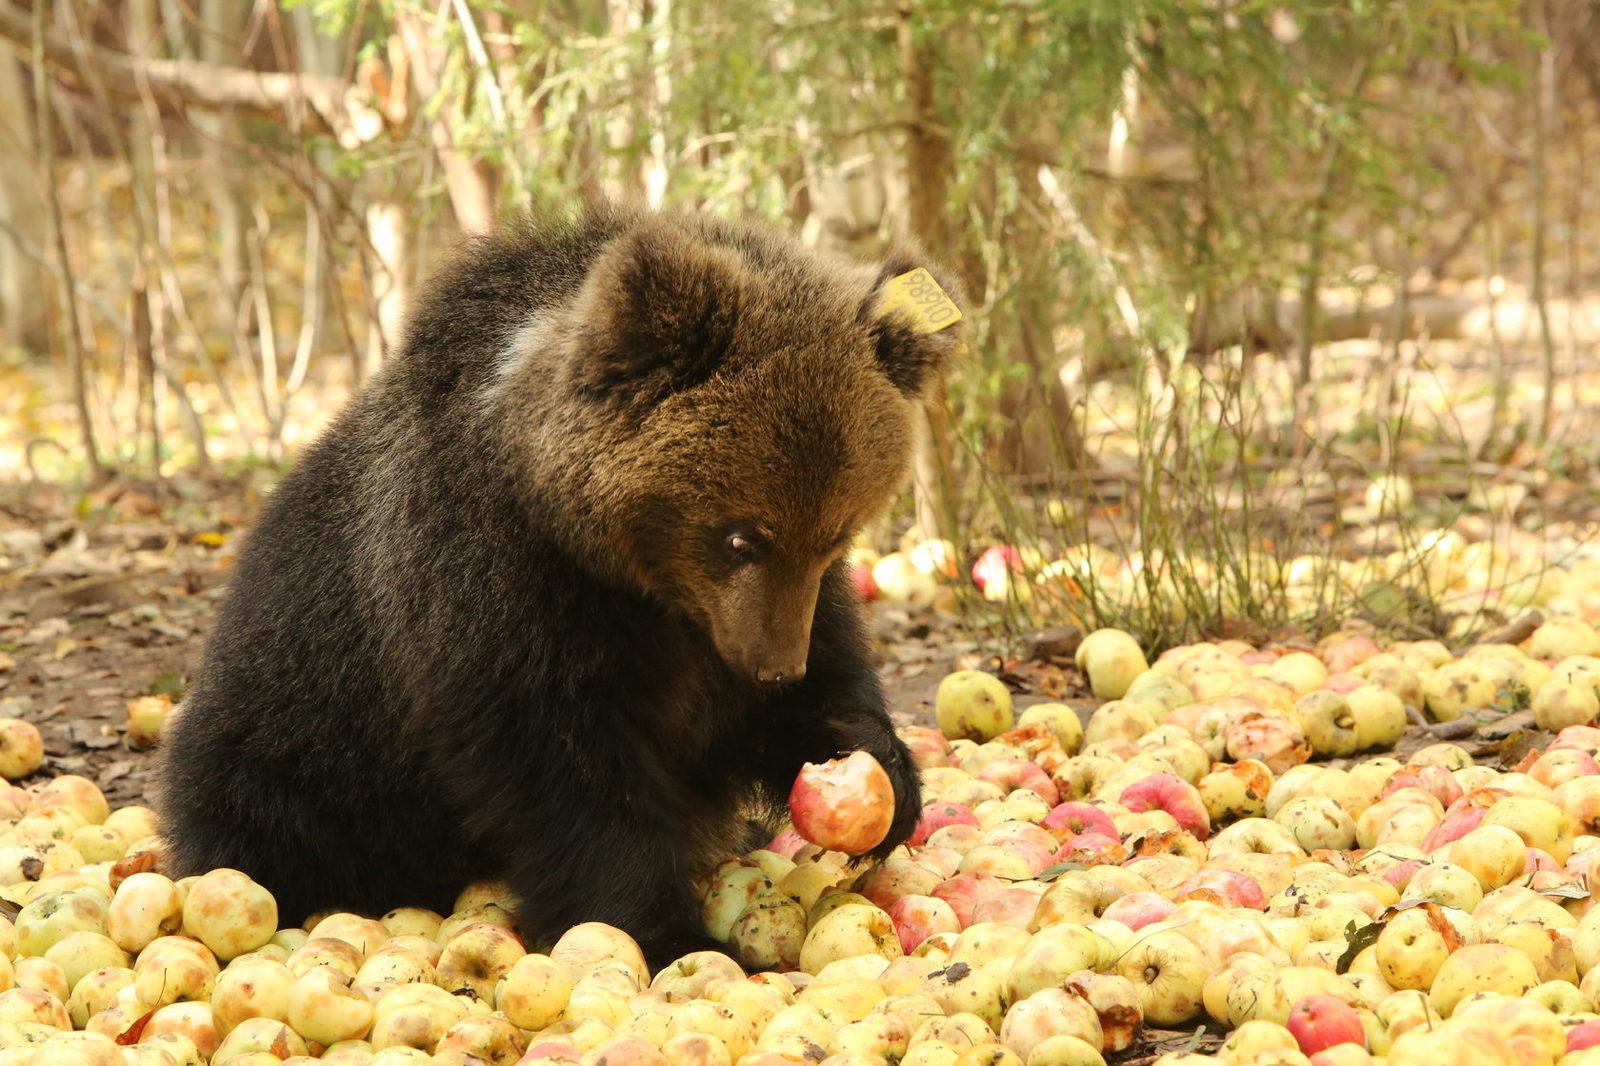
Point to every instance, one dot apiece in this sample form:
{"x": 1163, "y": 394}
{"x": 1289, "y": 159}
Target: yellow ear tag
{"x": 917, "y": 297}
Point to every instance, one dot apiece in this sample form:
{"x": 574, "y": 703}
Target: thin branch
{"x": 33, "y": 252}
{"x": 72, "y": 336}
{"x": 312, "y": 103}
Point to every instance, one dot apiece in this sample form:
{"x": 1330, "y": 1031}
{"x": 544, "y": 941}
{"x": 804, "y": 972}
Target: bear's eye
{"x": 743, "y": 544}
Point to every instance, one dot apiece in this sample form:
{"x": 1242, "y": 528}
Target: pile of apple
{"x": 1205, "y": 848}
{"x": 1180, "y": 858}
{"x": 1464, "y": 577}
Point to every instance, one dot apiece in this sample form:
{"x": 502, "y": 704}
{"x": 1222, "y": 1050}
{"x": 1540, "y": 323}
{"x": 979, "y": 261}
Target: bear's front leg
{"x": 607, "y": 866}
{"x": 584, "y": 826}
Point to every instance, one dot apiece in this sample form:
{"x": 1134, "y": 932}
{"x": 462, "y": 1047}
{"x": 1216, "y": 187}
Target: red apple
{"x": 1271, "y": 738}
{"x": 1074, "y": 817}
{"x": 1321, "y": 1021}
{"x": 927, "y": 745}
{"x": 897, "y": 877}
{"x": 1170, "y": 793}
{"x": 844, "y": 804}
{"x": 958, "y": 838}
{"x": 944, "y": 861}
{"x": 1558, "y": 767}
{"x": 1452, "y": 827}
{"x": 1485, "y": 797}
{"x": 1038, "y": 857}
{"x": 1012, "y": 774}
{"x": 1236, "y": 889}
{"x": 1579, "y": 738}
{"x": 995, "y": 564}
{"x": 1429, "y": 778}
{"x": 936, "y": 816}
{"x": 1011, "y": 906}
{"x": 786, "y": 843}
{"x": 1092, "y": 849}
{"x": 916, "y": 918}
{"x": 1343, "y": 683}
{"x": 1345, "y": 651}
{"x": 861, "y": 577}
{"x": 965, "y": 891}
{"x": 1009, "y": 833}
{"x": 1539, "y": 859}
{"x": 1584, "y": 1034}
{"x": 1138, "y": 909}
{"x": 1399, "y": 875}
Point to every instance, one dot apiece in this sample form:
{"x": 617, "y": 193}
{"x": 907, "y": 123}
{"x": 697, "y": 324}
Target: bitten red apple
{"x": 844, "y": 804}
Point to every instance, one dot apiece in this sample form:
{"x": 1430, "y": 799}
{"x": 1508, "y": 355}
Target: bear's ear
{"x": 915, "y": 322}
{"x": 657, "y": 311}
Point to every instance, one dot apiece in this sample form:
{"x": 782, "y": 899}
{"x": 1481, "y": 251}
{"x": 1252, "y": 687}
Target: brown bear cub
{"x": 561, "y": 594}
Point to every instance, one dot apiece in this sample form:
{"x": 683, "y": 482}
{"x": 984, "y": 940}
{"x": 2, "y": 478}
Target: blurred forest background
{"x": 1248, "y": 281}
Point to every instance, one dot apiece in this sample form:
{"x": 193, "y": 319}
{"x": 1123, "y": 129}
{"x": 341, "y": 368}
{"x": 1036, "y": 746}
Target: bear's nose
{"x": 779, "y": 675}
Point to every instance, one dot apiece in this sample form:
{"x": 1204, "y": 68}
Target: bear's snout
{"x": 767, "y": 661}
{"x": 780, "y": 675}
{"x": 762, "y": 626}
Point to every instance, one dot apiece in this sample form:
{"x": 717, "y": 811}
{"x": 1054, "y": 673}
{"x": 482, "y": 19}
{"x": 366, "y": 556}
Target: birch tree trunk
{"x": 390, "y": 276}
{"x": 321, "y": 54}
{"x": 655, "y": 166}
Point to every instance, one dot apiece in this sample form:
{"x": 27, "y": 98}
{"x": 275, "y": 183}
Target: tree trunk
{"x": 655, "y": 168}
{"x": 929, "y": 164}
{"x": 1042, "y": 431}
{"x": 1545, "y": 109}
{"x": 144, "y": 126}
{"x": 220, "y": 137}
{"x": 22, "y": 211}
{"x": 148, "y": 422}
{"x": 622, "y": 178}
{"x": 391, "y": 275}
{"x": 472, "y": 183}
{"x": 929, "y": 159}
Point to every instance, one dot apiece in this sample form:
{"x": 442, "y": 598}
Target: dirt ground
{"x": 96, "y": 610}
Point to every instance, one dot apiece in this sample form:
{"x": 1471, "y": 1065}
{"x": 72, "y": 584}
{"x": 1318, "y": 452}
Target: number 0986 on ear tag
{"x": 917, "y": 297}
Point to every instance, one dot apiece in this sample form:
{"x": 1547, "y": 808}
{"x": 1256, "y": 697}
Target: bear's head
{"x": 747, "y": 406}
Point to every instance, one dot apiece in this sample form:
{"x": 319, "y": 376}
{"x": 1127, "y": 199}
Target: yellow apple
{"x": 1480, "y": 968}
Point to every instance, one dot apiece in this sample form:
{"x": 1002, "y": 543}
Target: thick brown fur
{"x": 538, "y": 605}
